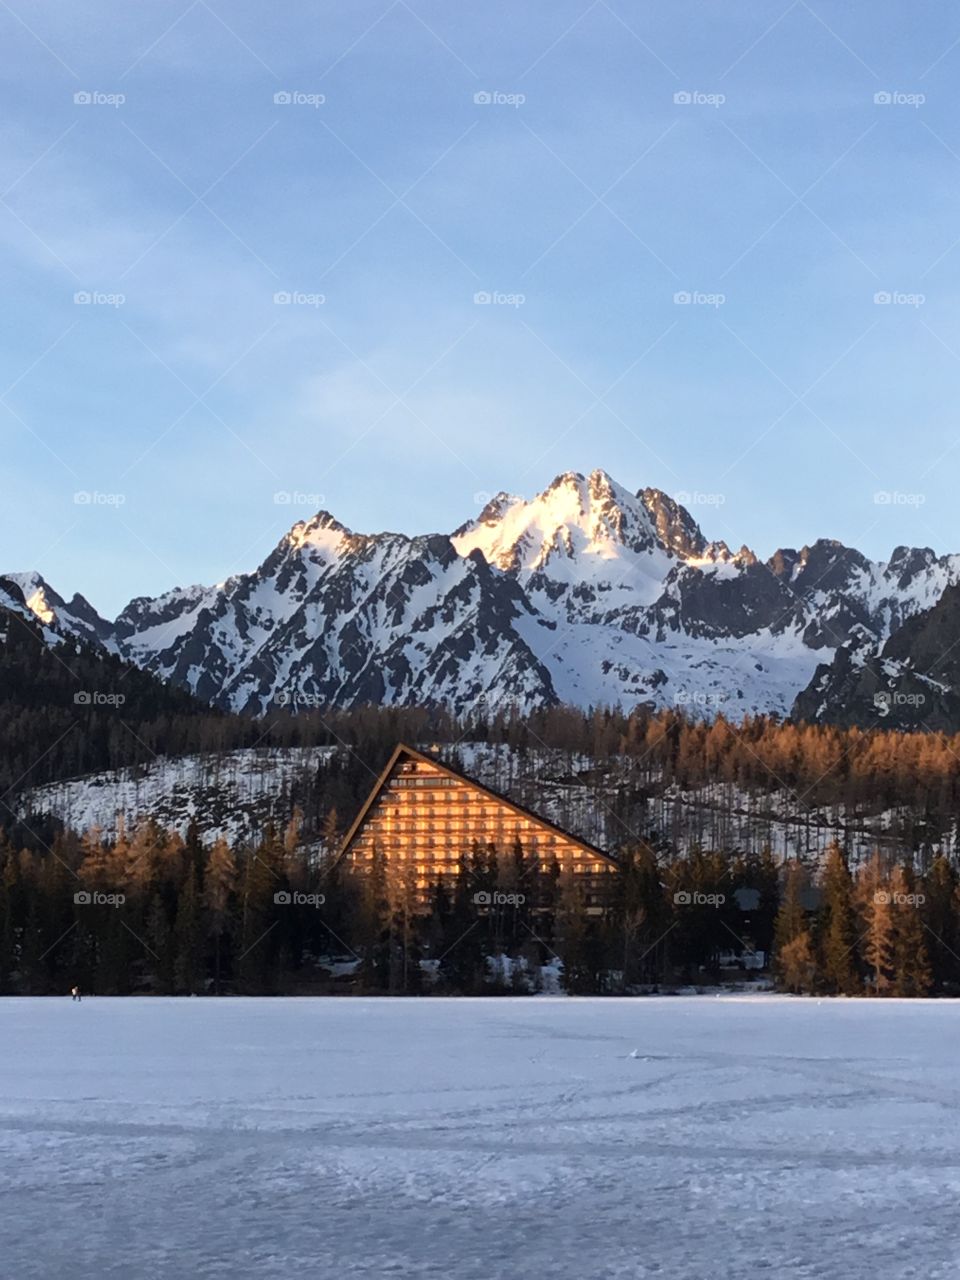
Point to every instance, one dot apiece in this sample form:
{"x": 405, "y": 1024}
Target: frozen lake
{"x": 688, "y": 1137}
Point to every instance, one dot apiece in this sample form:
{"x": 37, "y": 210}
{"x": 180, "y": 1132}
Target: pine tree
{"x": 374, "y": 922}
{"x": 465, "y": 946}
{"x": 188, "y": 935}
{"x": 790, "y": 924}
{"x": 581, "y": 943}
{"x": 160, "y": 941}
{"x": 838, "y": 927}
{"x": 640, "y": 915}
{"x": 405, "y": 953}
{"x": 261, "y": 882}
{"x": 939, "y": 915}
{"x": 330, "y": 832}
{"x": 911, "y": 964}
{"x": 7, "y": 938}
{"x": 220, "y": 880}
{"x": 138, "y": 860}
{"x": 796, "y": 964}
{"x": 95, "y": 861}
{"x": 876, "y": 923}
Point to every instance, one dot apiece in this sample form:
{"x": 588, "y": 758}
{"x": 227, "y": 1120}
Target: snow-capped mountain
{"x": 27, "y": 594}
{"x": 333, "y": 617}
{"x": 587, "y": 594}
{"x": 910, "y": 681}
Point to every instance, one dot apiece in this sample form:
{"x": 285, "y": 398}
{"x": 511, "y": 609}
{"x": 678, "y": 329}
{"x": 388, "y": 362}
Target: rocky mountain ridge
{"x": 587, "y": 594}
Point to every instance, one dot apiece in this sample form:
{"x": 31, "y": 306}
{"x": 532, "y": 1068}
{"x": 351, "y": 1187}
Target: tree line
{"x": 152, "y": 912}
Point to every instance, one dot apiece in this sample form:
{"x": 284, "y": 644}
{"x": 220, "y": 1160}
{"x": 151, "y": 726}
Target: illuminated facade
{"x": 424, "y": 814}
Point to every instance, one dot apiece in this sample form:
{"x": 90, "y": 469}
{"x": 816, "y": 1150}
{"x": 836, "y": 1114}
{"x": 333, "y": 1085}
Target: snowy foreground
{"x": 688, "y": 1137}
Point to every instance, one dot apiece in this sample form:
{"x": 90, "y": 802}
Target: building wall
{"x": 425, "y": 817}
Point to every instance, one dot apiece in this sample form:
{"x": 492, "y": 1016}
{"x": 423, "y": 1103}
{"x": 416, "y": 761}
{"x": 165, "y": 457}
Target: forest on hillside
{"x": 170, "y": 912}
{"x": 151, "y": 912}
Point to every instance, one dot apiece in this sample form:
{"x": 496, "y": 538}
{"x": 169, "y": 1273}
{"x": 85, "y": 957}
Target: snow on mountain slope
{"x": 591, "y": 666}
{"x": 77, "y": 618}
{"x": 35, "y": 594}
{"x": 12, "y": 601}
{"x": 603, "y": 567}
{"x": 335, "y": 617}
{"x": 236, "y": 793}
{"x": 586, "y": 593}
{"x": 231, "y": 794}
{"x": 580, "y": 548}
{"x": 909, "y": 681}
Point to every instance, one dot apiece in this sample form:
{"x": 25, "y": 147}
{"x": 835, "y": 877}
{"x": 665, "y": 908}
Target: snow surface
{"x": 580, "y": 529}
{"x": 234, "y": 794}
{"x": 231, "y": 794}
{"x": 489, "y": 1139}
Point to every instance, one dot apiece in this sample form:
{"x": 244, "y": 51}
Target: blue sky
{"x": 584, "y": 196}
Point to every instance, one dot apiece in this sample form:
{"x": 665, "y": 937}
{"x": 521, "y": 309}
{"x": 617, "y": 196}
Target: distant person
{"x": 75, "y": 993}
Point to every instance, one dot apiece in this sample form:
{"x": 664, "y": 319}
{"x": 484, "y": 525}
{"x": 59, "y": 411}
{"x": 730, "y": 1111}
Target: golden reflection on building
{"x": 424, "y": 817}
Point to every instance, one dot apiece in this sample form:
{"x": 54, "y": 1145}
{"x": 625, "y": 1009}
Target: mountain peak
{"x": 39, "y": 597}
{"x": 322, "y": 530}
{"x": 582, "y": 533}
{"x": 598, "y": 485}
{"x": 566, "y": 480}
{"x": 78, "y": 618}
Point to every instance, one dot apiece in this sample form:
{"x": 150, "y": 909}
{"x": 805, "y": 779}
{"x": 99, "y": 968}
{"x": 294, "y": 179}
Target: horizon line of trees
{"x": 150, "y": 912}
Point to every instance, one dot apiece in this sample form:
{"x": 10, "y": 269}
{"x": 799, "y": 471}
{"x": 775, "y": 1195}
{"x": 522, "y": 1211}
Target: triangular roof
{"x": 402, "y": 750}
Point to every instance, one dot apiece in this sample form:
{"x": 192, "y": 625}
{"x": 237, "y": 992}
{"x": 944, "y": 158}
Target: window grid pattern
{"x": 425, "y": 817}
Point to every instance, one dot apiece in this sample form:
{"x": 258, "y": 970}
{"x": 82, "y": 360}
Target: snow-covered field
{"x": 680, "y": 1138}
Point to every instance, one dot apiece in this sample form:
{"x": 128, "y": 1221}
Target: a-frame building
{"x": 424, "y": 816}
